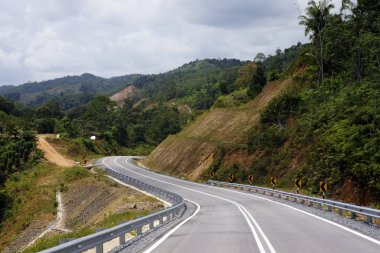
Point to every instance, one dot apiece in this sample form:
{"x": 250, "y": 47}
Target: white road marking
{"x": 253, "y": 230}
{"x": 307, "y": 213}
{"x": 156, "y": 244}
{"x": 282, "y": 204}
{"x": 270, "y": 246}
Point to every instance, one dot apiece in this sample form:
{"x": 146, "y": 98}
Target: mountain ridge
{"x": 77, "y": 90}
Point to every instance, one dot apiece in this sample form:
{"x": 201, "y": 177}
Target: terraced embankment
{"x": 191, "y": 151}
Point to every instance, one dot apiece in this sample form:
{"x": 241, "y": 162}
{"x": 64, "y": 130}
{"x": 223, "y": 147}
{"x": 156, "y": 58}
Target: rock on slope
{"x": 191, "y": 151}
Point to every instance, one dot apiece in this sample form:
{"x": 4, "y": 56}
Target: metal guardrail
{"x": 369, "y": 213}
{"x": 97, "y": 240}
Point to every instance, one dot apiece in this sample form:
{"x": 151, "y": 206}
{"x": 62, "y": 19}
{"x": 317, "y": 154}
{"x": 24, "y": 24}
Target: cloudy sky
{"x": 45, "y": 39}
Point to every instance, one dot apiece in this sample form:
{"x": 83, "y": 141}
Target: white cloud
{"x": 42, "y": 39}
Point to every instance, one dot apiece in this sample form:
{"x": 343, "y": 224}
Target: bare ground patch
{"x": 89, "y": 201}
{"x": 51, "y": 154}
{"x": 190, "y": 152}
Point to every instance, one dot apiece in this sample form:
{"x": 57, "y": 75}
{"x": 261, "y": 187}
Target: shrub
{"x": 281, "y": 108}
{"x": 76, "y": 173}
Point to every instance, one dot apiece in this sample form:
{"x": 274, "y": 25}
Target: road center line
{"x": 285, "y": 205}
{"x": 253, "y": 230}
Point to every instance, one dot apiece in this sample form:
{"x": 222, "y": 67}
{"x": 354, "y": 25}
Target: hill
{"x": 122, "y": 95}
{"x": 319, "y": 123}
{"x": 191, "y": 152}
{"x": 69, "y": 91}
{"x": 74, "y": 91}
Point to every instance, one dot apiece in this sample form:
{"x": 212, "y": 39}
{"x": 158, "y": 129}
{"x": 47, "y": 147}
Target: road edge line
{"x": 291, "y": 207}
{"x": 253, "y": 230}
{"x": 162, "y": 239}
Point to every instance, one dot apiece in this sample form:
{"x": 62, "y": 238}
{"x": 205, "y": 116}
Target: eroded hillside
{"x": 191, "y": 152}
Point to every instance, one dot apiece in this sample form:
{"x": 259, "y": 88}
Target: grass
{"x": 45, "y": 243}
{"x": 117, "y": 218}
{"x": 108, "y": 221}
{"x": 76, "y": 173}
{"x": 233, "y": 99}
{"x": 32, "y": 195}
{"x": 75, "y": 149}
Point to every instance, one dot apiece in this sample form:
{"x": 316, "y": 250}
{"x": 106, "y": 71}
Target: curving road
{"x": 232, "y": 221}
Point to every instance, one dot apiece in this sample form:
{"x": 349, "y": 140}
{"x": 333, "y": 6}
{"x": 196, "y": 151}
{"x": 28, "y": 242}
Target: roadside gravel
{"x": 357, "y": 225}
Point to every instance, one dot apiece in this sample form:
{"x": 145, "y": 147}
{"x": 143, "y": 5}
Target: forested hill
{"x": 69, "y": 91}
{"x": 190, "y": 77}
{"x": 73, "y": 91}
{"x": 317, "y": 119}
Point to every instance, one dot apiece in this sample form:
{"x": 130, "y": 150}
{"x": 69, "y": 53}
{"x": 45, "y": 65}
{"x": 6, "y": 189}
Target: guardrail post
{"x": 161, "y": 220}
{"x": 353, "y": 215}
{"x": 151, "y": 225}
{"x": 369, "y": 219}
{"x": 310, "y": 203}
{"x": 340, "y": 211}
{"x": 329, "y": 208}
{"x": 139, "y": 231}
{"x": 122, "y": 239}
{"x": 99, "y": 248}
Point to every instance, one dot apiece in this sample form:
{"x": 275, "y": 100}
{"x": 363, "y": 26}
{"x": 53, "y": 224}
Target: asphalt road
{"x": 232, "y": 221}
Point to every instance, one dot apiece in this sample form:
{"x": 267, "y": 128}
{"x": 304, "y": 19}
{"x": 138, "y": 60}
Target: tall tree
{"x": 258, "y": 81}
{"x": 315, "y": 21}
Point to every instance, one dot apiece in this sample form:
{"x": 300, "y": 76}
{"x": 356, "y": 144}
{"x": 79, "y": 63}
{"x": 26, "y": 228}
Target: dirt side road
{"x": 51, "y": 154}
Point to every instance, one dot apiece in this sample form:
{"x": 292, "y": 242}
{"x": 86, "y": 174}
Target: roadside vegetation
{"x": 310, "y": 111}
{"x": 326, "y": 126}
{"x": 30, "y": 197}
{"x": 33, "y": 205}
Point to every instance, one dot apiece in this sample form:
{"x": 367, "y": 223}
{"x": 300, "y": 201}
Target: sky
{"x": 46, "y": 39}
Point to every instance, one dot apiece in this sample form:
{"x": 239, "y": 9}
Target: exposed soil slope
{"x": 88, "y": 201}
{"x": 123, "y": 94}
{"x": 51, "y": 154}
{"x": 191, "y": 151}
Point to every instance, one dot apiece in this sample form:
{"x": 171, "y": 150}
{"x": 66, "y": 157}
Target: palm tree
{"x": 315, "y": 21}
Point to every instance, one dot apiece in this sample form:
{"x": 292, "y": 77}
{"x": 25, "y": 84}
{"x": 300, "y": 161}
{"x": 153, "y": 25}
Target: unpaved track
{"x": 50, "y": 153}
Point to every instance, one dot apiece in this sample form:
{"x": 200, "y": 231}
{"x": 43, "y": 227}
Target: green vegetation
{"x": 326, "y": 125}
{"x": 17, "y": 147}
{"x": 69, "y": 91}
{"x": 52, "y": 241}
{"x": 28, "y": 199}
{"x": 109, "y": 221}
{"x": 333, "y": 124}
{"x": 76, "y": 173}
{"x": 258, "y": 81}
